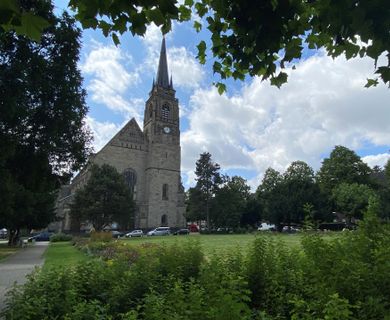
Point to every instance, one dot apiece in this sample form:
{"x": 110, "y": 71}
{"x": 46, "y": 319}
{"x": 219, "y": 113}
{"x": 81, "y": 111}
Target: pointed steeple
{"x": 162, "y": 72}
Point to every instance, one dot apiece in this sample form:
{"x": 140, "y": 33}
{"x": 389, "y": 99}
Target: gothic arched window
{"x": 165, "y": 192}
{"x": 165, "y": 112}
{"x": 131, "y": 179}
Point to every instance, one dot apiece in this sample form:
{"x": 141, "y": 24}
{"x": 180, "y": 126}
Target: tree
{"x": 195, "y": 205}
{"x": 271, "y": 179}
{"x": 106, "y": 198}
{"x": 247, "y": 37}
{"x": 343, "y": 165}
{"x": 43, "y": 138}
{"x": 352, "y": 199}
{"x": 284, "y": 196}
{"x": 229, "y": 203}
{"x": 207, "y": 181}
{"x": 253, "y": 212}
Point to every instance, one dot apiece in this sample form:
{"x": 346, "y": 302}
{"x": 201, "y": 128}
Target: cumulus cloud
{"x": 106, "y": 65}
{"x": 187, "y": 72}
{"x": 324, "y": 104}
{"x": 377, "y": 159}
{"x": 102, "y": 132}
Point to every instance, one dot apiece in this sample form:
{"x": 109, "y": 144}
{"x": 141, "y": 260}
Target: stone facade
{"x": 149, "y": 159}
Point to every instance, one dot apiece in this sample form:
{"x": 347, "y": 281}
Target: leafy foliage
{"x": 352, "y": 199}
{"x": 347, "y": 277}
{"x": 284, "y": 196}
{"x": 43, "y": 138}
{"x": 105, "y": 199}
{"x": 229, "y": 203}
{"x": 208, "y": 180}
{"x": 247, "y": 37}
{"x": 343, "y": 165}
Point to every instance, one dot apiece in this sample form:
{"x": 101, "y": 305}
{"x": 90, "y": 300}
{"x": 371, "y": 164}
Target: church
{"x": 149, "y": 159}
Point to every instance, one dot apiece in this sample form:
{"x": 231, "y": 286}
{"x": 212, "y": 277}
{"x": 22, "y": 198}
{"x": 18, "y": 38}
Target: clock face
{"x": 167, "y": 129}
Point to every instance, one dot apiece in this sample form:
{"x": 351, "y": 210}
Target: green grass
{"x": 5, "y": 251}
{"x": 222, "y": 243}
{"x": 63, "y": 254}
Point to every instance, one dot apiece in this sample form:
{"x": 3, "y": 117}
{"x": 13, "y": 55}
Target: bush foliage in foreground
{"x": 343, "y": 278}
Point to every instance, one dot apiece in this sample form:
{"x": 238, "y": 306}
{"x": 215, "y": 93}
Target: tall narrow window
{"x": 165, "y": 112}
{"x": 131, "y": 179}
{"x": 164, "y": 220}
{"x": 165, "y": 192}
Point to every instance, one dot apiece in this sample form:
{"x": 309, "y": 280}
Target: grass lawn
{"x": 5, "y": 250}
{"x": 222, "y": 243}
{"x": 63, "y": 254}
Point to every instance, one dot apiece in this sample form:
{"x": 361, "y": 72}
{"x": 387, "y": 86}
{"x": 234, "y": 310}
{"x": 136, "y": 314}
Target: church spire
{"x": 162, "y": 72}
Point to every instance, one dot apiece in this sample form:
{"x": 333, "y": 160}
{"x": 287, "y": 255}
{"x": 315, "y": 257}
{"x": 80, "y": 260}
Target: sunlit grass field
{"x": 63, "y": 254}
{"x": 223, "y": 243}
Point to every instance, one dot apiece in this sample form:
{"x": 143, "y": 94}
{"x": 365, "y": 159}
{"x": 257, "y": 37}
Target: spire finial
{"x": 162, "y": 72}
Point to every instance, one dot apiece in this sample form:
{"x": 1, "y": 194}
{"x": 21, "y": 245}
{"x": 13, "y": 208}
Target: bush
{"x": 101, "y": 236}
{"x": 57, "y": 237}
{"x": 347, "y": 277}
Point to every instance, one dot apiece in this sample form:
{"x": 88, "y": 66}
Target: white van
{"x": 160, "y": 231}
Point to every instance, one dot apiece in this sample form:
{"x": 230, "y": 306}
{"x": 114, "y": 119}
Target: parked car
{"x": 134, "y": 233}
{"x": 290, "y": 229}
{"x": 266, "y": 227}
{"x": 181, "y": 231}
{"x": 3, "y": 233}
{"x": 117, "y": 234}
{"x": 42, "y": 236}
{"x": 160, "y": 231}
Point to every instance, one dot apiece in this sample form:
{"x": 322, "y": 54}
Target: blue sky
{"x": 253, "y": 126}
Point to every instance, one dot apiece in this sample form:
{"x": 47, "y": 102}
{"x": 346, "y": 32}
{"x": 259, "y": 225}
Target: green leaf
{"x": 201, "y": 52}
{"x": 221, "y": 87}
{"x": 197, "y": 26}
{"x": 115, "y": 38}
{"x": 371, "y": 83}
{"x": 32, "y": 26}
{"x": 156, "y": 16}
{"x": 11, "y": 5}
{"x": 280, "y": 79}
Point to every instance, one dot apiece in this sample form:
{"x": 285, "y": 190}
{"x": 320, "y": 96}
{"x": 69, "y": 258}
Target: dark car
{"x": 42, "y": 236}
{"x": 181, "y": 231}
{"x": 117, "y": 234}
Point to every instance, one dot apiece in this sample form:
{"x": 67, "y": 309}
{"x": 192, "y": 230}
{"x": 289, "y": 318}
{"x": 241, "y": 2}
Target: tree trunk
{"x": 13, "y": 237}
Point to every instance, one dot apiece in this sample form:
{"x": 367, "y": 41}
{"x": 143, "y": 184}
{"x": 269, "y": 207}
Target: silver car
{"x": 160, "y": 231}
{"x": 134, "y": 233}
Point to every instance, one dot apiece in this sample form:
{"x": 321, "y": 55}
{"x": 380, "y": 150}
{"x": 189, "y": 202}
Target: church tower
{"x": 164, "y": 205}
{"x": 149, "y": 159}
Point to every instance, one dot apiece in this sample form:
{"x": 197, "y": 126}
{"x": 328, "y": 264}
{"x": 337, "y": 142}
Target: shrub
{"x": 60, "y": 237}
{"x": 347, "y": 277}
{"x": 101, "y": 236}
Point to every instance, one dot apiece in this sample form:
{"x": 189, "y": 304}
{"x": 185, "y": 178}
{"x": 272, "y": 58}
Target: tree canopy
{"x": 106, "y": 198}
{"x": 256, "y": 38}
{"x": 43, "y": 138}
{"x": 343, "y": 165}
{"x": 208, "y": 180}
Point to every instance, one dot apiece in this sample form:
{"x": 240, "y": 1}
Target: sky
{"x": 251, "y": 127}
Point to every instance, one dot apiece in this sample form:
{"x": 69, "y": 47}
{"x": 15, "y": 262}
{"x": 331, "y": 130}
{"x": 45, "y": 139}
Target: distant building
{"x": 149, "y": 159}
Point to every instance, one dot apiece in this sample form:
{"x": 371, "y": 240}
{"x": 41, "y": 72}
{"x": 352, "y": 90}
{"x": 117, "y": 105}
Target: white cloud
{"x": 187, "y": 72}
{"x": 102, "y": 132}
{"x": 185, "y": 68}
{"x": 324, "y": 104}
{"x": 377, "y": 159}
{"x": 110, "y": 80}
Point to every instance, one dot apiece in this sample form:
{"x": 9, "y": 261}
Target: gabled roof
{"x": 130, "y": 133}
